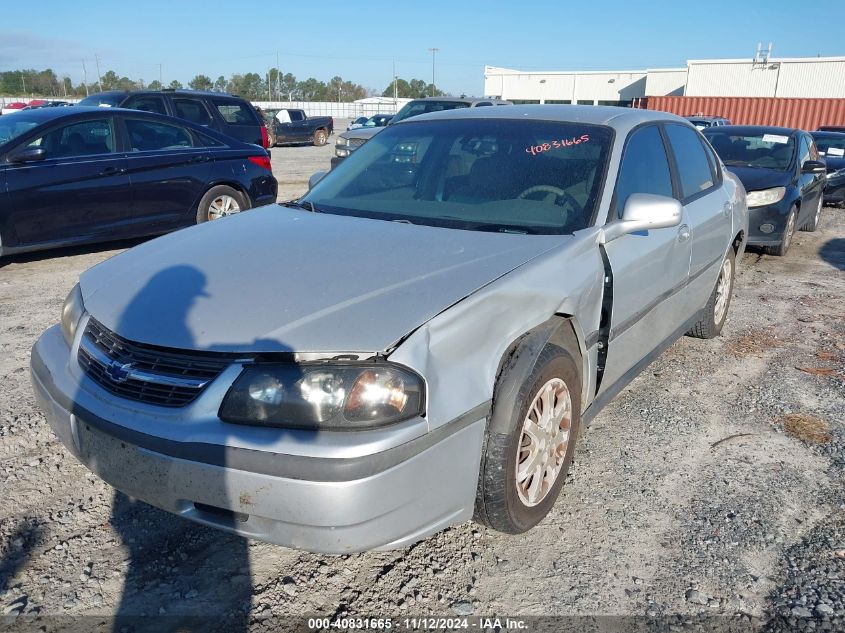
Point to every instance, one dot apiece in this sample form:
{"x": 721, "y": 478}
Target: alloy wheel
{"x": 543, "y": 442}
{"x": 222, "y": 206}
{"x": 723, "y": 289}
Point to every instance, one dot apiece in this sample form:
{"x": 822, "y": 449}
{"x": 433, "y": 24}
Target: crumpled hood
{"x": 276, "y": 279}
{"x": 757, "y": 178}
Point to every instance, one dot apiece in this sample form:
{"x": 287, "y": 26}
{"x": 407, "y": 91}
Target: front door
{"x": 79, "y": 192}
{"x": 651, "y": 268}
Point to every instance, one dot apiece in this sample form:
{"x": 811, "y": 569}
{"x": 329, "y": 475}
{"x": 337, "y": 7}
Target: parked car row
{"x": 86, "y": 174}
{"x": 415, "y": 342}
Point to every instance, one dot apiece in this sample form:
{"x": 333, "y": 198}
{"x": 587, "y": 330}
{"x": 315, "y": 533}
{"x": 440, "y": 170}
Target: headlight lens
{"x": 320, "y": 396}
{"x": 72, "y": 312}
{"x": 765, "y": 196}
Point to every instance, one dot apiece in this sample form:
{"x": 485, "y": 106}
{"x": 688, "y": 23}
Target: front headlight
{"x": 72, "y": 312}
{"x": 765, "y": 196}
{"x": 345, "y": 396}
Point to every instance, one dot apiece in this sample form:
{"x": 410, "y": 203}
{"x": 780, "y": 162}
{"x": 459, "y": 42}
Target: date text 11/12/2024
{"x": 417, "y": 624}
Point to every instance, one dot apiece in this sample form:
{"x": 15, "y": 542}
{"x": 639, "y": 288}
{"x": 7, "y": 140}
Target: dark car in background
{"x": 349, "y": 141}
{"x": 85, "y": 174}
{"x": 783, "y": 175}
{"x": 831, "y": 146}
{"x": 220, "y": 111}
{"x": 295, "y": 126}
{"x": 831, "y": 128}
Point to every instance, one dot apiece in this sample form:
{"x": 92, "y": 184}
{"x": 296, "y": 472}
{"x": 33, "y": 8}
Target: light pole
{"x": 433, "y": 53}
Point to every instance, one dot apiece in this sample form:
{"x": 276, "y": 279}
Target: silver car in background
{"x": 416, "y": 342}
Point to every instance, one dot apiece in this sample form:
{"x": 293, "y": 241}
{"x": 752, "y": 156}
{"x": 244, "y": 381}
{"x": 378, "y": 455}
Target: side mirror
{"x": 643, "y": 212}
{"x": 316, "y": 177}
{"x": 813, "y": 167}
{"x": 28, "y": 155}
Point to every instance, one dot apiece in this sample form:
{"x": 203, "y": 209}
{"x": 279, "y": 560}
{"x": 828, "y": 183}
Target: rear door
{"x": 80, "y": 191}
{"x": 707, "y": 208}
{"x": 298, "y": 126}
{"x": 650, "y": 268}
{"x": 168, "y": 170}
{"x": 238, "y": 119}
{"x": 812, "y": 185}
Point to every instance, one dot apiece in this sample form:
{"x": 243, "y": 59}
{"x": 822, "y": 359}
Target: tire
{"x": 716, "y": 309}
{"x": 504, "y": 501}
{"x": 216, "y": 199}
{"x": 788, "y": 233}
{"x": 320, "y": 138}
{"x": 813, "y": 223}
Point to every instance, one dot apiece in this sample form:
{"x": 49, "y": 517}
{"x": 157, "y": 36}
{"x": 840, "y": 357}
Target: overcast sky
{"x": 359, "y": 40}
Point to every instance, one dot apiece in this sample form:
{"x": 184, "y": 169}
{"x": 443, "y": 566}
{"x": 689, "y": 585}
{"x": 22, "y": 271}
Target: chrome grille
{"x": 356, "y": 142}
{"x": 146, "y": 373}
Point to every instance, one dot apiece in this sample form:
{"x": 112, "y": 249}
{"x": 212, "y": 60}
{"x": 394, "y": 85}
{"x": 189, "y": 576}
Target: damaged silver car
{"x": 414, "y": 343}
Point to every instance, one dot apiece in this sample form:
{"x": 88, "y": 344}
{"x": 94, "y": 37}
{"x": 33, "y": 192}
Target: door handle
{"x": 727, "y": 208}
{"x": 111, "y": 171}
{"x": 684, "y": 233}
{"x": 200, "y": 159}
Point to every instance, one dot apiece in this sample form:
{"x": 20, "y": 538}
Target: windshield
{"x": 103, "y": 100}
{"x": 13, "y": 125}
{"x": 538, "y": 177}
{"x": 413, "y": 108}
{"x": 758, "y": 149}
{"x": 830, "y": 145}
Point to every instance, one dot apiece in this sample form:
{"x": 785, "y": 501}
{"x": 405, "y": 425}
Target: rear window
{"x": 415, "y": 108}
{"x": 235, "y": 112}
{"x": 103, "y": 100}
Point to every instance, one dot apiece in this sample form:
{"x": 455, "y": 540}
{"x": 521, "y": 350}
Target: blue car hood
{"x": 276, "y": 279}
{"x": 757, "y": 178}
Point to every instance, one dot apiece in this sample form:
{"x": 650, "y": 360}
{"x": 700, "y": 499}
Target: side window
{"x": 192, "y": 110}
{"x": 145, "y": 136}
{"x": 148, "y": 103}
{"x": 644, "y": 168}
{"x": 814, "y": 150}
{"x": 86, "y": 138}
{"x": 803, "y": 151}
{"x": 296, "y": 115}
{"x": 693, "y": 166}
{"x": 714, "y": 161}
{"x": 236, "y": 113}
{"x": 206, "y": 141}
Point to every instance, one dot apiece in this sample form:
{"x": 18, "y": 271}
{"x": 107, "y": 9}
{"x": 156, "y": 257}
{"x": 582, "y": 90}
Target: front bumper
{"x": 760, "y": 219}
{"x": 384, "y": 500}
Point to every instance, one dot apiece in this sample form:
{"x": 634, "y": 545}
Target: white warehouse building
{"x": 774, "y": 77}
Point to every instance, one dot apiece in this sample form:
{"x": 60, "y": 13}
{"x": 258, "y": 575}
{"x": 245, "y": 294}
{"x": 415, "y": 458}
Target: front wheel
{"x": 219, "y": 202}
{"x": 813, "y": 223}
{"x": 716, "y": 310}
{"x": 530, "y": 444}
{"x": 788, "y": 232}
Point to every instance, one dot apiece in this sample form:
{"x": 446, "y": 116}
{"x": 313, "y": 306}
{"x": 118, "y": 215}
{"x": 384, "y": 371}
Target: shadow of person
{"x": 180, "y": 576}
{"x": 19, "y": 547}
{"x": 833, "y": 252}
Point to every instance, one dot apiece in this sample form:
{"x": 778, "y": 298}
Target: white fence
{"x": 337, "y": 110}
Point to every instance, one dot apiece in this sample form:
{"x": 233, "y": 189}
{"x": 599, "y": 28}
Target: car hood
{"x": 757, "y": 178}
{"x": 276, "y": 280}
{"x": 363, "y": 132}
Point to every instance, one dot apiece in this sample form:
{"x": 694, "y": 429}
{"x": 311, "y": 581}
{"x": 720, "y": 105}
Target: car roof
{"x": 179, "y": 91}
{"x": 42, "y": 115}
{"x": 829, "y": 134}
{"x": 612, "y": 116}
{"x": 753, "y": 129}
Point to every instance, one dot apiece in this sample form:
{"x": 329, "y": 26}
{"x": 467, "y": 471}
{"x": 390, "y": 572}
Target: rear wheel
{"x": 813, "y": 223}
{"x": 219, "y": 202}
{"x": 788, "y": 233}
{"x": 530, "y": 444}
{"x": 320, "y": 138}
{"x": 716, "y": 310}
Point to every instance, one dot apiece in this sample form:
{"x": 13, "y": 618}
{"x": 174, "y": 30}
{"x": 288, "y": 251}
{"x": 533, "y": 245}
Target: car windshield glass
{"x": 538, "y": 177}
{"x": 700, "y": 124}
{"x": 830, "y": 146}
{"x": 13, "y": 125}
{"x": 103, "y": 100}
{"x": 770, "y": 150}
{"x": 414, "y": 108}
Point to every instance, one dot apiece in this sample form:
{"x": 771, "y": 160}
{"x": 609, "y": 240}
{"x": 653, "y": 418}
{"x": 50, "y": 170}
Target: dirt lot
{"x": 713, "y": 485}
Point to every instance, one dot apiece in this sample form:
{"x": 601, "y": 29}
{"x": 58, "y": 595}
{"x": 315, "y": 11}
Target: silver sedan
{"x": 417, "y": 341}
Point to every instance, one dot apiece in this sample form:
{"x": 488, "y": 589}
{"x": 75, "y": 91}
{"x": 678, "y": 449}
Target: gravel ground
{"x": 710, "y": 490}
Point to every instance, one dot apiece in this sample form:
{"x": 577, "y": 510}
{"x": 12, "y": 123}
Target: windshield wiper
{"x": 296, "y": 204}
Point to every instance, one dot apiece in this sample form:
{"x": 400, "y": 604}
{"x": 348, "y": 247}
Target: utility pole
{"x": 433, "y": 53}
{"x": 97, "y": 61}
{"x": 394, "y": 85}
{"x": 85, "y": 77}
{"x": 269, "y": 96}
{"x": 160, "y": 80}
{"x": 23, "y": 81}
{"x": 278, "y": 78}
